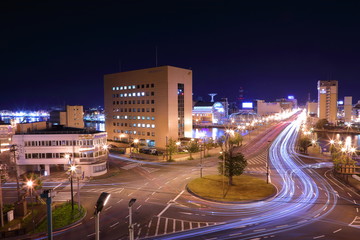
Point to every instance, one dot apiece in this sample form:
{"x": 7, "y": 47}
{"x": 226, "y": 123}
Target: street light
{"x": 101, "y": 202}
{"x": 131, "y": 227}
{"x": 136, "y": 141}
{"x": 30, "y": 187}
{"x": 72, "y": 169}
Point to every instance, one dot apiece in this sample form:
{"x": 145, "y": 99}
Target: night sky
{"x": 56, "y": 52}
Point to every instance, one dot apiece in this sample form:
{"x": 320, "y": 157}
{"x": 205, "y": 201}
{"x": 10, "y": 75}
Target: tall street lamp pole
{"x": 71, "y": 170}
{"x": 30, "y": 186}
{"x": 131, "y": 226}
{"x": 13, "y": 148}
{"x": 101, "y": 202}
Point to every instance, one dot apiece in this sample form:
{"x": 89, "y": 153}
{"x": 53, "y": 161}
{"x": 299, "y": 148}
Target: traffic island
{"x": 244, "y": 189}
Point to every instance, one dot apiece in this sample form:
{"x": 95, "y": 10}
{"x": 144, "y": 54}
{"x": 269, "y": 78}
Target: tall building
{"x": 347, "y": 109}
{"x": 151, "y": 105}
{"x": 327, "y": 100}
{"x": 72, "y": 117}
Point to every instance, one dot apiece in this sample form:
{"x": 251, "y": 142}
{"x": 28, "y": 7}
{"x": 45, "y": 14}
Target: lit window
{"x": 152, "y": 118}
{"x": 125, "y": 94}
{"x": 126, "y": 117}
{"x": 143, "y": 117}
{"x": 113, "y": 88}
{"x": 142, "y": 93}
{"x": 134, "y": 132}
{"x": 134, "y": 125}
{"x": 118, "y": 117}
{"x": 121, "y": 88}
{"x": 133, "y": 86}
{"x": 147, "y": 118}
{"x": 139, "y": 124}
{"x": 121, "y": 95}
{"x": 138, "y": 117}
{"x": 143, "y": 125}
{"x": 147, "y": 125}
{"x": 134, "y": 94}
{"x": 125, "y": 87}
{"x": 129, "y": 87}
{"x": 138, "y": 94}
{"x": 153, "y": 125}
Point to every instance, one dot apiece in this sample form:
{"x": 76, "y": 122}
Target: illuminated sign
{"x": 247, "y": 105}
{"x": 340, "y": 102}
{"x": 290, "y": 97}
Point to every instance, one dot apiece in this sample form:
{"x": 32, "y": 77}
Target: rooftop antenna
{"x": 212, "y": 95}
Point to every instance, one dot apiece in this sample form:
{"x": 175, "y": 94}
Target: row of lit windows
{"x": 131, "y": 117}
{"x": 65, "y": 142}
{"x": 135, "y": 132}
{"x": 62, "y": 155}
{"x": 133, "y": 110}
{"x": 138, "y": 118}
{"x": 134, "y": 102}
{"x": 134, "y": 94}
{"x": 144, "y": 125}
{"x": 134, "y": 87}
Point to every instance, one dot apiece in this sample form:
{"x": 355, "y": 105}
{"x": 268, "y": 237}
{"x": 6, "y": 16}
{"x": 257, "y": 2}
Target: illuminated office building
{"x": 327, "y": 100}
{"x": 151, "y": 105}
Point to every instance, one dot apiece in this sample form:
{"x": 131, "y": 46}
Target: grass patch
{"x": 62, "y": 216}
{"x": 245, "y": 188}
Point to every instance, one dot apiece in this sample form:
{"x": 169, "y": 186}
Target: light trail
{"x": 293, "y": 206}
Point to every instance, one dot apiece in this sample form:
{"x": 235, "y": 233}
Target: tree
{"x": 236, "y": 139}
{"x": 192, "y": 147}
{"x": 304, "y": 143}
{"x": 171, "y": 148}
{"x": 321, "y": 123}
{"x": 234, "y": 165}
{"x": 209, "y": 144}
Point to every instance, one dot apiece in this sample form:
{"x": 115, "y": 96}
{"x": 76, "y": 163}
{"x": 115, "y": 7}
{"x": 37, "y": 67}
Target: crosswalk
{"x": 163, "y": 225}
{"x": 257, "y": 164}
{"x": 115, "y": 190}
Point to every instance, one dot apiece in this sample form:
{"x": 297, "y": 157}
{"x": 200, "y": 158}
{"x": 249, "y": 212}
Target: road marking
{"x": 138, "y": 207}
{"x": 147, "y": 199}
{"x": 147, "y": 232}
{"x": 349, "y": 194}
{"x": 108, "y": 208}
{"x": 354, "y": 201}
{"x": 114, "y": 224}
{"x": 153, "y": 193}
{"x": 235, "y": 234}
{"x": 166, "y": 223}
{"x": 319, "y": 237}
{"x": 259, "y": 230}
{"x": 91, "y": 235}
{"x": 357, "y": 209}
{"x": 317, "y": 215}
{"x": 281, "y": 226}
{"x": 337, "y": 230}
{"x": 119, "y": 201}
{"x": 167, "y": 182}
{"x": 325, "y": 208}
{"x": 157, "y": 227}
{"x": 170, "y": 202}
{"x": 302, "y": 221}
{"x": 188, "y": 178}
{"x": 130, "y": 194}
{"x": 92, "y": 217}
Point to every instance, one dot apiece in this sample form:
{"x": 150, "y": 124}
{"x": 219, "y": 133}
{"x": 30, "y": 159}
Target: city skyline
{"x": 58, "y": 53}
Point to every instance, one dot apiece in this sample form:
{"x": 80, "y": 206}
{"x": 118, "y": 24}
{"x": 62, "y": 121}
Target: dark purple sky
{"x": 56, "y": 52}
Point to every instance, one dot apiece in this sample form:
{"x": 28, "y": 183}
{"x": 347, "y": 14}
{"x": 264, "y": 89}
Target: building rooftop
{"x": 58, "y": 129}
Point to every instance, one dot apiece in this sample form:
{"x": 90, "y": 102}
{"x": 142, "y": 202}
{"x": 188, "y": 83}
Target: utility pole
{"x": 13, "y": 148}
{"x": 1, "y": 201}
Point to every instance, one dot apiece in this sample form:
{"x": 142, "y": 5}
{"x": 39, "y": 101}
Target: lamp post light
{"x": 131, "y": 226}
{"x": 72, "y": 169}
{"x": 178, "y": 143}
{"x": 101, "y": 202}
{"x": 30, "y": 187}
{"x": 121, "y": 136}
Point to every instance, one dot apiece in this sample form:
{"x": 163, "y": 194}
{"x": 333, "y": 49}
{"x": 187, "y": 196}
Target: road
{"x": 310, "y": 204}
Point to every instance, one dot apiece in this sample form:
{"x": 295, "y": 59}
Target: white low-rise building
{"x": 41, "y": 149}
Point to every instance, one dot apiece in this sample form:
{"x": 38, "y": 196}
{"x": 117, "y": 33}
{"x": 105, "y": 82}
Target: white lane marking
{"x": 325, "y": 208}
{"x": 114, "y": 224}
{"x": 187, "y": 178}
{"x": 130, "y": 194}
{"x": 146, "y": 199}
{"x": 319, "y": 237}
{"x": 281, "y": 226}
{"x": 157, "y": 227}
{"x": 337, "y": 230}
{"x": 259, "y": 230}
{"x": 153, "y": 193}
{"x": 235, "y": 234}
{"x": 170, "y": 202}
{"x": 108, "y": 208}
{"x": 357, "y": 209}
{"x": 174, "y": 224}
{"x": 91, "y": 235}
{"x": 167, "y": 182}
{"x": 138, "y": 207}
{"x": 349, "y": 194}
{"x": 355, "y": 202}
{"x": 317, "y": 215}
{"x": 119, "y": 201}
